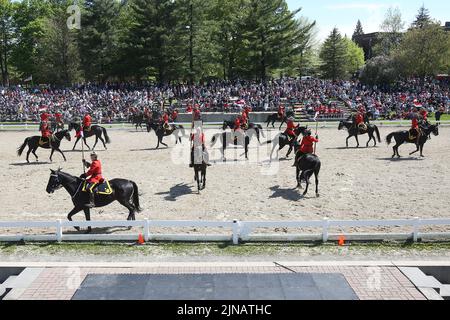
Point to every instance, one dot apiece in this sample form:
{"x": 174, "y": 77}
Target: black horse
{"x": 282, "y": 140}
{"x": 306, "y": 166}
{"x": 275, "y": 117}
{"x": 257, "y": 127}
{"x": 124, "y": 191}
{"x": 354, "y": 132}
{"x": 177, "y": 130}
{"x": 138, "y": 120}
{"x": 402, "y": 137}
{"x": 33, "y": 144}
{"x": 241, "y": 138}
{"x": 95, "y": 130}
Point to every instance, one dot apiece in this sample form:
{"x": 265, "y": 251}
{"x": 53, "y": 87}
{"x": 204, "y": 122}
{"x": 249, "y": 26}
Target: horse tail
{"x": 389, "y": 138}
{"x": 22, "y": 147}
{"x": 136, "y": 197}
{"x": 108, "y": 140}
{"x": 378, "y": 134}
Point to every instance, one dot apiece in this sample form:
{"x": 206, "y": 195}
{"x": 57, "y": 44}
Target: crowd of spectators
{"x": 116, "y": 102}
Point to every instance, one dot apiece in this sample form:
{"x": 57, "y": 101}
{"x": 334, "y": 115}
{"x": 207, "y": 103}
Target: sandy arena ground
{"x": 354, "y": 183}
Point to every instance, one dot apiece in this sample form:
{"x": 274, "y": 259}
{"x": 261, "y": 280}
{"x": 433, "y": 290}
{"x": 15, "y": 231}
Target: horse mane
{"x": 68, "y": 176}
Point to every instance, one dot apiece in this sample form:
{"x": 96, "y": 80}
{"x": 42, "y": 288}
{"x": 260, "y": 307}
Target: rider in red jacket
{"x": 95, "y": 177}
{"x": 306, "y": 146}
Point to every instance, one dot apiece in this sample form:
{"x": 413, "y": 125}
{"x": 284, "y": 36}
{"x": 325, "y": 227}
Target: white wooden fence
{"x": 236, "y": 230}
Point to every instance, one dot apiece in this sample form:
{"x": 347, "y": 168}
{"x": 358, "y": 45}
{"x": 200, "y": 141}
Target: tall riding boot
{"x": 91, "y": 203}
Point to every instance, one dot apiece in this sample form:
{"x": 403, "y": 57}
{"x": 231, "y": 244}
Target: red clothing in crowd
{"x": 174, "y": 115}
{"x": 95, "y": 172}
{"x": 306, "y": 146}
{"x": 58, "y": 117}
{"x": 281, "y": 111}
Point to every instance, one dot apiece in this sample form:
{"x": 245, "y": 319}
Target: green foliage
{"x": 334, "y": 56}
{"x": 355, "y": 57}
{"x": 422, "y": 19}
{"x": 379, "y": 70}
{"x": 424, "y": 51}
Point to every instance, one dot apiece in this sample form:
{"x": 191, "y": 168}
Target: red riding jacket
{"x": 95, "y": 172}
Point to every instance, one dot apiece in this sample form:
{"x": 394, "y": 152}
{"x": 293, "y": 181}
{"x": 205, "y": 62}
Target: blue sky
{"x": 344, "y": 14}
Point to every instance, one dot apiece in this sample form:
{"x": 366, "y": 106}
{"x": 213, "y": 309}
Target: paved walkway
{"x": 368, "y": 282}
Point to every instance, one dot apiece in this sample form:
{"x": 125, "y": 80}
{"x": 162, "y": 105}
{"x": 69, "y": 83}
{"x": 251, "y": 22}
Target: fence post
{"x": 416, "y": 229}
{"x": 146, "y": 230}
{"x": 235, "y": 232}
{"x": 59, "y": 231}
{"x": 325, "y": 225}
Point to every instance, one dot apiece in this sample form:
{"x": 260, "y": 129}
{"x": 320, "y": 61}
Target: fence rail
{"x": 236, "y": 230}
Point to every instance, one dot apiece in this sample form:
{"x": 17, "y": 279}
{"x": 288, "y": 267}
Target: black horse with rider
{"x": 53, "y": 143}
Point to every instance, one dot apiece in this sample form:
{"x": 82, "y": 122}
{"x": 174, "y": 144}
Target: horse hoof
{"x": 317, "y": 195}
{"x": 88, "y": 231}
{"x": 77, "y": 228}
{"x": 304, "y": 193}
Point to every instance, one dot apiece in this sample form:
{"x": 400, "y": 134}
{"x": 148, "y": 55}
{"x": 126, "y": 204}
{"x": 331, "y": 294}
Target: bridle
{"x": 59, "y": 185}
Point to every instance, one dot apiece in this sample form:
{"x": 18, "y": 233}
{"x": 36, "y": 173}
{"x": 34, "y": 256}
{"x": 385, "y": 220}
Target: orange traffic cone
{"x": 341, "y": 241}
{"x": 141, "y": 239}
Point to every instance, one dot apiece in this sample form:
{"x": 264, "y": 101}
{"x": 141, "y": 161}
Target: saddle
{"x": 87, "y": 129}
{"x": 45, "y": 141}
{"x": 362, "y": 127}
{"x": 102, "y": 188}
{"x": 413, "y": 134}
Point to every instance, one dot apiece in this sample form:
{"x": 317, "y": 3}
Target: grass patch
{"x": 213, "y": 249}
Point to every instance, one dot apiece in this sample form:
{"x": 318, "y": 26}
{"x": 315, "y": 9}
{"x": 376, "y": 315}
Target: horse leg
{"x": 78, "y": 139}
{"x": 289, "y": 151}
{"x": 51, "y": 155}
{"x": 85, "y": 143}
{"x": 197, "y": 178}
{"x": 299, "y": 178}
{"x": 370, "y": 139}
{"x": 307, "y": 183}
{"x": 421, "y": 150}
{"x": 131, "y": 209}
{"x": 34, "y": 152}
{"x": 103, "y": 141}
{"x": 418, "y": 148}
{"x": 72, "y": 213}
{"x": 95, "y": 144}
{"x": 396, "y": 150}
{"x": 59, "y": 150}
{"x": 346, "y": 141}
{"x": 316, "y": 174}
{"x": 87, "y": 214}
{"x": 204, "y": 177}
{"x": 357, "y": 141}
{"x": 28, "y": 154}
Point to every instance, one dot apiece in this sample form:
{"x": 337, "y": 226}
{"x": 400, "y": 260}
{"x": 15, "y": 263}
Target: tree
{"x": 98, "y": 39}
{"x": 391, "y": 37}
{"x": 29, "y": 19}
{"x": 422, "y": 19}
{"x": 354, "y": 57}
{"x": 358, "y": 30}
{"x": 271, "y": 33}
{"x": 57, "y": 57}
{"x": 334, "y": 56}
{"x": 7, "y": 34}
{"x": 380, "y": 70}
{"x": 154, "y": 40}
{"x": 424, "y": 52}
